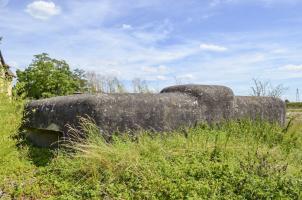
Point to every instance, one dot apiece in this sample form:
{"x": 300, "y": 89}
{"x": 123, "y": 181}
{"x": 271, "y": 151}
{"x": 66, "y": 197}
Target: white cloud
{"x": 151, "y": 37}
{"x": 110, "y": 47}
{"x": 294, "y": 68}
{"x": 126, "y": 26}
{"x": 153, "y": 32}
{"x": 214, "y": 3}
{"x": 161, "y": 78}
{"x": 212, "y": 47}
{"x": 135, "y": 57}
{"x": 279, "y": 51}
{"x": 162, "y": 69}
{"x": 113, "y": 72}
{"x": 186, "y": 77}
{"x": 149, "y": 69}
{"x": 43, "y": 9}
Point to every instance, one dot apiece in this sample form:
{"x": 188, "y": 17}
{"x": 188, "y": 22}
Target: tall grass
{"x": 235, "y": 160}
{"x": 253, "y": 160}
{"x": 14, "y": 167}
{"x": 10, "y": 117}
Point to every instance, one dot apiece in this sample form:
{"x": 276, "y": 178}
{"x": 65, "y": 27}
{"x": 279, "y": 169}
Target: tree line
{"x": 48, "y": 77}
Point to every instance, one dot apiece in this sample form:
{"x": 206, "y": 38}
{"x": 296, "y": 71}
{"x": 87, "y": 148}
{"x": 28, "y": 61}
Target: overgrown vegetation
{"x": 236, "y": 160}
{"x": 294, "y": 105}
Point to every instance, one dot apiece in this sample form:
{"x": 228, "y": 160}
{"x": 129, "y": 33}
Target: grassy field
{"x": 237, "y": 160}
{"x": 294, "y": 105}
{"x": 294, "y": 110}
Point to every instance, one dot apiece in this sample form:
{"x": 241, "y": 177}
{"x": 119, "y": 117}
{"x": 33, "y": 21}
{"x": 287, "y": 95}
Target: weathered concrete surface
{"x": 268, "y": 108}
{"x": 216, "y": 101}
{"x": 174, "y": 107}
{"x": 44, "y": 138}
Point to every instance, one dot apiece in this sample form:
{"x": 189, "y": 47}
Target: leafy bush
{"x": 48, "y": 77}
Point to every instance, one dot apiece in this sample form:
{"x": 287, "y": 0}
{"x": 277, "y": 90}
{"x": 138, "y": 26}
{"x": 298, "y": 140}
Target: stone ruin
{"x": 45, "y": 121}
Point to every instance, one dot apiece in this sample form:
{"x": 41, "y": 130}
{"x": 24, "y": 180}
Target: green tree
{"x": 80, "y": 75}
{"x": 48, "y": 77}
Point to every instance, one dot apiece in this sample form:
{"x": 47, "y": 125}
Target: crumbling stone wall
{"x": 173, "y": 107}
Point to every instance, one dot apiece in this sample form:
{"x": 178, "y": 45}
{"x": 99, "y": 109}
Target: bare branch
{"x": 261, "y": 88}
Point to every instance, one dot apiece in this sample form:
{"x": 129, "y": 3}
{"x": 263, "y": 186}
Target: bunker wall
{"x": 264, "y": 108}
{"x": 174, "y": 107}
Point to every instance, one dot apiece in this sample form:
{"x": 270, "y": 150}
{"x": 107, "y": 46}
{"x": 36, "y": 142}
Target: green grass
{"x": 236, "y": 160}
{"x": 294, "y": 105}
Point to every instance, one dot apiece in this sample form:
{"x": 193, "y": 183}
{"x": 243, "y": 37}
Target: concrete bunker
{"x": 43, "y": 137}
{"x": 173, "y": 107}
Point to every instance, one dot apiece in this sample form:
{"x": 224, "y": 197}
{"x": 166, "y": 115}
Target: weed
{"x": 235, "y": 160}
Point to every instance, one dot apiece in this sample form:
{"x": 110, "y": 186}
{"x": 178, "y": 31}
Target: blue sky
{"x": 224, "y": 42}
